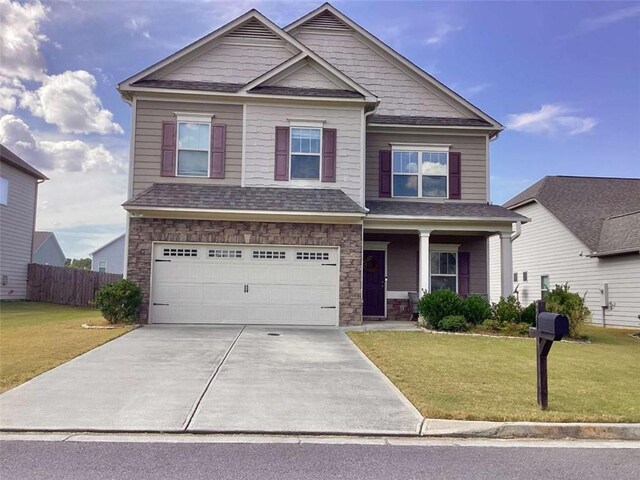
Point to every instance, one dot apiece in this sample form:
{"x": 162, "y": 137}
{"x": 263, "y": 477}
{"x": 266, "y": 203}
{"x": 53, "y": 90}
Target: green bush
{"x": 520, "y": 329}
{"x": 476, "y": 309}
{"x": 528, "y": 315}
{"x": 561, "y": 300}
{"x": 491, "y": 325}
{"x": 454, "y": 323}
{"x": 434, "y": 306}
{"x": 118, "y": 301}
{"x": 507, "y": 310}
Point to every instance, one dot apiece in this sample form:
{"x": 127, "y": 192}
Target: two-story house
{"x": 304, "y": 175}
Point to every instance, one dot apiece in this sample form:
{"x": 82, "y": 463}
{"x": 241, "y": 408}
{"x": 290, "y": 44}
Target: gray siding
{"x": 49, "y": 254}
{"x": 547, "y": 247}
{"x": 16, "y": 231}
{"x": 401, "y": 91}
{"x": 473, "y": 149}
{"x": 148, "y": 141}
{"x": 402, "y": 261}
{"x": 307, "y": 77}
{"x": 113, "y": 254}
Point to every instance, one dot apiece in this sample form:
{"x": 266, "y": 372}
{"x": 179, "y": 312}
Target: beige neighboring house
{"x": 306, "y": 175}
{"x": 18, "y": 199}
{"x": 584, "y": 231}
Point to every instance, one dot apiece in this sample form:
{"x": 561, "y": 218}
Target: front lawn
{"x": 36, "y": 337}
{"x": 480, "y": 378}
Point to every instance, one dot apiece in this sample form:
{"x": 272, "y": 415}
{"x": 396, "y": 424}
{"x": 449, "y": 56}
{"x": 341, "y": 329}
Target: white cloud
{"x": 475, "y": 89}
{"x": 441, "y": 32}
{"x": 595, "y": 23}
{"x": 68, "y": 101}
{"x": 57, "y": 156}
{"x": 138, "y": 25}
{"x": 11, "y": 90}
{"x": 20, "y": 39}
{"x": 550, "y": 119}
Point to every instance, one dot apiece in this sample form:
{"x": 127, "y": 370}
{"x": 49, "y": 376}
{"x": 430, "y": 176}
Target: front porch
{"x": 403, "y": 260}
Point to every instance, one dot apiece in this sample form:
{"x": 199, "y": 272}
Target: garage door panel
{"x": 284, "y": 285}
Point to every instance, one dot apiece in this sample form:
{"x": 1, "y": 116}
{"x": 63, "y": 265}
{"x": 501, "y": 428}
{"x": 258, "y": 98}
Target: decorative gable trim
{"x": 327, "y": 9}
{"x": 327, "y": 21}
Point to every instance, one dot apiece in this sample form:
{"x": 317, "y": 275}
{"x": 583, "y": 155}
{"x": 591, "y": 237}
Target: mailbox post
{"x": 549, "y": 328}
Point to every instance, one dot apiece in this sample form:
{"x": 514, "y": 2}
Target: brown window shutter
{"x": 329, "y": 144}
{"x": 168, "y": 160}
{"x": 218, "y": 149}
{"x": 455, "y": 177}
{"x": 464, "y": 270}
{"x": 385, "y": 173}
{"x": 282, "y": 154}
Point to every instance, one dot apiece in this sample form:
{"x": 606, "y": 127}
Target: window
{"x": 269, "y": 254}
{"x": 4, "y": 191}
{"x": 193, "y": 149}
{"x": 305, "y": 153}
{"x": 420, "y": 173}
{"x": 524, "y": 276}
{"x": 544, "y": 286}
{"x": 180, "y": 252}
{"x": 102, "y": 266}
{"x": 515, "y": 276}
{"x": 225, "y": 253}
{"x": 312, "y": 255}
{"x": 444, "y": 271}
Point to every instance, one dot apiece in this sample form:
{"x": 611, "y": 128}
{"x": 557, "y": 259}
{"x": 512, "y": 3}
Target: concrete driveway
{"x": 215, "y": 379}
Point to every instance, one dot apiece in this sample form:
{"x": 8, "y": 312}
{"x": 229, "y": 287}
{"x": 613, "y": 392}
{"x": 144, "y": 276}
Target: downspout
{"x": 518, "y": 231}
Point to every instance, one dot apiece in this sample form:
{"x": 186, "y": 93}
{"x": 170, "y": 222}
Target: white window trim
{"x": 444, "y": 248}
{"x": 305, "y": 181}
{"x": 101, "y": 266}
{"x": 4, "y": 198}
{"x": 302, "y": 123}
{"x": 193, "y": 118}
{"x": 420, "y": 149}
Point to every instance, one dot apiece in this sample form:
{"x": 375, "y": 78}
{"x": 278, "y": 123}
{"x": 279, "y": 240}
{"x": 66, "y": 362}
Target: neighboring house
{"x": 18, "y": 199}
{"x": 304, "y": 175}
{"x": 584, "y": 231}
{"x": 109, "y": 258}
{"x": 47, "y": 250}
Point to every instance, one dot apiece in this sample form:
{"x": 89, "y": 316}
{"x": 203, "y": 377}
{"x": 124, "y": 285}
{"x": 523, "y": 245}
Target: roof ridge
{"x": 634, "y": 212}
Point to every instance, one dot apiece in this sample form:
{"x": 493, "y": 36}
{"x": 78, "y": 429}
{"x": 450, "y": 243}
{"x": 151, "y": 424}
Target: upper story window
{"x": 102, "y": 266}
{"x": 4, "y": 191}
{"x": 420, "y": 171}
{"x": 194, "y": 140}
{"x": 306, "y": 145}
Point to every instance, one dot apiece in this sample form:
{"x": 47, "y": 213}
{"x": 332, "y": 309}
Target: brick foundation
{"x": 143, "y": 231}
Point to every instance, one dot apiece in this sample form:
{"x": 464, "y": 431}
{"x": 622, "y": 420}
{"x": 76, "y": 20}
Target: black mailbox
{"x": 553, "y": 324}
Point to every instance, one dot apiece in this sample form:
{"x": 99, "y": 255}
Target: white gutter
{"x": 518, "y": 231}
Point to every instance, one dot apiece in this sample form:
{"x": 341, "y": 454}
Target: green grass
{"x": 36, "y": 337}
{"x": 480, "y": 378}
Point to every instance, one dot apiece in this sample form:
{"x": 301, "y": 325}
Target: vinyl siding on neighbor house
{"x": 148, "y": 141}
{"x": 16, "y": 231}
{"x": 262, "y": 121}
{"x": 473, "y": 150}
{"x": 547, "y": 247}
{"x": 402, "y": 260}
{"x": 49, "y": 254}
{"x": 401, "y": 92}
{"x": 230, "y": 61}
{"x": 113, "y": 254}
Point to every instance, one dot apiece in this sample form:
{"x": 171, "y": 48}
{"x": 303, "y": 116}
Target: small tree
{"x": 561, "y": 300}
{"x": 507, "y": 310}
{"x": 118, "y": 301}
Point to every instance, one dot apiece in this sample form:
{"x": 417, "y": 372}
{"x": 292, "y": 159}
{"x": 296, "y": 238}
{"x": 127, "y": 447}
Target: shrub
{"x": 491, "y": 325}
{"x": 118, "y": 301}
{"x": 515, "y": 329}
{"x": 507, "y": 310}
{"x": 476, "y": 309}
{"x": 561, "y": 300}
{"x": 434, "y": 306}
{"x": 454, "y": 323}
{"x": 528, "y": 315}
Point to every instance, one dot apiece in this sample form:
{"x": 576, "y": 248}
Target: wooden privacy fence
{"x": 68, "y": 286}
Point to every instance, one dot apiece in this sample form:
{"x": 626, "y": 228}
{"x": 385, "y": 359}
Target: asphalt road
{"x": 141, "y": 461}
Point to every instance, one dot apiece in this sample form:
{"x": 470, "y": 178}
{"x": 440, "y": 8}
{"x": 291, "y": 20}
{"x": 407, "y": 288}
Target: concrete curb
{"x": 552, "y": 431}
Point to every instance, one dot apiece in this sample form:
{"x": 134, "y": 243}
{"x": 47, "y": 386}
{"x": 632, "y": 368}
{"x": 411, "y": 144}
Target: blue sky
{"x": 563, "y": 76}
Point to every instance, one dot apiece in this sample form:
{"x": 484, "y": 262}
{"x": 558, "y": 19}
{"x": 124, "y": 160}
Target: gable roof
{"x": 12, "y": 159}
{"x": 107, "y": 244}
{"x": 447, "y": 210}
{"x": 326, "y": 15}
{"x": 251, "y": 19}
{"x": 40, "y": 238}
{"x": 587, "y": 206}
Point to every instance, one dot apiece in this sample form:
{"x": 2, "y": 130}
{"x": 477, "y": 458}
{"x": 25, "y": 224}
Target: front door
{"x": 374, "y": 282}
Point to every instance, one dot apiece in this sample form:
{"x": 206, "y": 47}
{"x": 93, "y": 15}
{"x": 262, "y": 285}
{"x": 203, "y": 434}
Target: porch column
{"x": 423, "y": 284}
{"x": 506, "y": 265}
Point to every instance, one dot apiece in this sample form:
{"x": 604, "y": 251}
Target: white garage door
{"x": 240, "y": 284}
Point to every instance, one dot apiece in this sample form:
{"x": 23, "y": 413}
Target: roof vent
{"x": 326, "y": 20}
{"x": 252, "y": 29}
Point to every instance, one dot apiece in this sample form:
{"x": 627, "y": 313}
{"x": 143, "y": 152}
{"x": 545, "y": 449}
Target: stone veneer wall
{"x": 397, "y": 310}
{"x": 143, "y": 231}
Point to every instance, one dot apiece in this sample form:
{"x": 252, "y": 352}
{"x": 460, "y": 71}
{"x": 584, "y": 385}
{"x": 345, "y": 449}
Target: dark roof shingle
{"x": 12, "y": 159}
{"x": 273, "y": 199}
{"x": 189, "y": 85}
{"x": 305, "y": 92}
{"x": 428, "y": 121}
{"x": 430, "y": 209}
{"x": 620, "y": 234}
{"x": 583, "y": 204}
